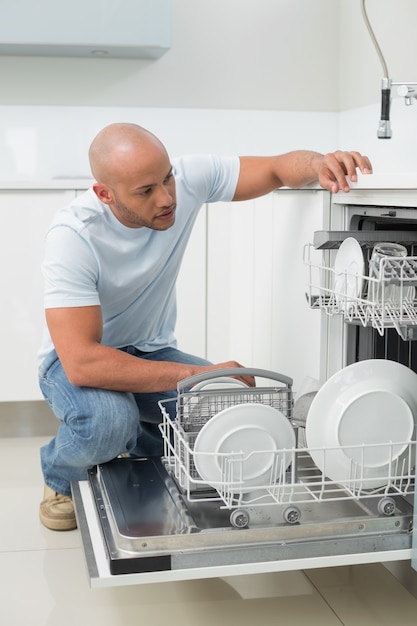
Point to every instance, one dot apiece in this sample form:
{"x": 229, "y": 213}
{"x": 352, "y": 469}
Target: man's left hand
{"x": 338, "y": 167}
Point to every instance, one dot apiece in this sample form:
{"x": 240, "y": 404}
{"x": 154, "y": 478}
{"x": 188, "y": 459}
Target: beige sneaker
{"x": 56, "y": 511}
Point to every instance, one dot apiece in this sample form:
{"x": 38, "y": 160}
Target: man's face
{"x": 144, "y": 195}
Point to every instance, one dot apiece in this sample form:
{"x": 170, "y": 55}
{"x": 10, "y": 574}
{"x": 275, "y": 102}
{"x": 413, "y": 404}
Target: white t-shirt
{"x": 93, "y": 259}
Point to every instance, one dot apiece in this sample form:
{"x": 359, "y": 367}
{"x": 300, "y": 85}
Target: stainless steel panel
{"x": 148, "y": 525}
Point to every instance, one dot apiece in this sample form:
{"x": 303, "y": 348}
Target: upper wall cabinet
{"x": 97, "y": 28}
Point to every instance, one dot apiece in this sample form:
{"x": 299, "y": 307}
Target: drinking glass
{"x": 382, "y": 288}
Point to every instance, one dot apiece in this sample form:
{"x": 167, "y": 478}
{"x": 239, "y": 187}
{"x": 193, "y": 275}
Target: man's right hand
{"x": 248, "y": 380}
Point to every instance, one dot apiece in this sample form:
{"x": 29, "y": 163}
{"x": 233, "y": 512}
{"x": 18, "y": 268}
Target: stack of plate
{"x": 243, "y": 447}
{"x": 361, "y": 422}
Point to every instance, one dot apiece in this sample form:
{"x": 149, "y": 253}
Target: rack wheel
{"x": 386, "y": 506}
{"x": 239, "y": 518}
{"x": 292, "y": 515}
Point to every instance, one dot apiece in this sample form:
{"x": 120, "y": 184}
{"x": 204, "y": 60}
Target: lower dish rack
{"x": 291, "y": 477}
{"x": 385, "y": 302}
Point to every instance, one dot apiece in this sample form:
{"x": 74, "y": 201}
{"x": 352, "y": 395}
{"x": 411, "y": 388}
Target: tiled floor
{"x": 44, "y": 582}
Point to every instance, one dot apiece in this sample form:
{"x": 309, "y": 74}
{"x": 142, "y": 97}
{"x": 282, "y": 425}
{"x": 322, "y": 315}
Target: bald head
{"x": 117, "y": 148}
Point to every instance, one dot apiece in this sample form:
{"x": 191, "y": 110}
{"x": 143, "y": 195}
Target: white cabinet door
{"x": 239, "y": 273}
{"x": 191, "y": 292}
{"x": 25, "y": 217}
{"x": 256, "y": 307}
{"x": 296, "y": 328}
{"x": 240, "y": 290}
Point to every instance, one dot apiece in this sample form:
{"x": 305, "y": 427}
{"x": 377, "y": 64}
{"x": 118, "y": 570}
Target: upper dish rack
{"x": 385, "y": 302}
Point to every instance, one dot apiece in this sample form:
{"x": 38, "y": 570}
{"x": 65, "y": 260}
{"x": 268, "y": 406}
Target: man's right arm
{"x": 76, "y": 333}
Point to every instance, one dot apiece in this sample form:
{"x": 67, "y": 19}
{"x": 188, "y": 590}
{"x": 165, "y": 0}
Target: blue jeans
{"x": 97, "y": 425}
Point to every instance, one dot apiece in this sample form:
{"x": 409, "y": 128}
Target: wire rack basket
{"x": 292, "y": 477}
{"x": 388, "y": 301}
{"x": 195, "y": 407}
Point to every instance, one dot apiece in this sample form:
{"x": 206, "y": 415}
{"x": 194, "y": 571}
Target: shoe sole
{"x": 58, "y": 524}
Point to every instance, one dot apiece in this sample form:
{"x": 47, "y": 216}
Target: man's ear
{"x": 102, "y": 192}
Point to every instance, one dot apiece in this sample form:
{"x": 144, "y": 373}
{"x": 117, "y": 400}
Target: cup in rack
{"x": 384, "y": 266}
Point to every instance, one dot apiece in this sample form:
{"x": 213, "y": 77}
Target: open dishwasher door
{"x": 154, "y": 520}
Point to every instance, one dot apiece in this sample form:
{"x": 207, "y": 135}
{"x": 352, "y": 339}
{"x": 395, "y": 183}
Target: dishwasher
{"x": 230, "y": 498}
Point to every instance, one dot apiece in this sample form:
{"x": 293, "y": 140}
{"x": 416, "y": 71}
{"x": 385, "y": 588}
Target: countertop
{"x": 378, "y": 180}
{"x": 51, "y": 183}
{"x": 386, "y": 180}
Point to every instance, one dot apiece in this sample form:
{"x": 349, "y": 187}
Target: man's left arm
{"x": 261, "y": 175}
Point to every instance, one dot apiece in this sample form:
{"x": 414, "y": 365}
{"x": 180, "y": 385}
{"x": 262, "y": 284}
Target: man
{"x": 111, "y": 262}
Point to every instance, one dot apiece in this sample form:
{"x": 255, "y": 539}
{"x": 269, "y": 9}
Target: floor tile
{"x": 20, "y": 462}
{"x": 20, "y": 525}
{"x": 54, "y": 587}
{"x": 43, "y": 578}
{"x": 271, "y": 585}
{"x": 405, "y": 574}
{"x": 365, "y": 595}
{"x": 21, "y": 487}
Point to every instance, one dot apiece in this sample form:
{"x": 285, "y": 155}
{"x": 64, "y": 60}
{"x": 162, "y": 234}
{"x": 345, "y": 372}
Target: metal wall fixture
{"x": 405, "y": 89}
{"x": 408, "y": 92}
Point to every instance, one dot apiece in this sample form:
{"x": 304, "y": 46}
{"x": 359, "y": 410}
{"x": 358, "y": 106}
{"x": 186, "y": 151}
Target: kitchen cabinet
{"x": 296, "y": 328}
{"x": 256, "y": 307}
{"x": 240, "y": 289}
{"x": 192, "y": 292}
{"x": 25, "y": 215}
{"x": 98, "y": 28}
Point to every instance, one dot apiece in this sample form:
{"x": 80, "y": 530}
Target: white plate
{"x": 349, "y": 270}
{"x": 222, "y": 382}
{"x": 372, "y": 403}
{"x": 253, "y": 433}
{"x": 212, "y": 403}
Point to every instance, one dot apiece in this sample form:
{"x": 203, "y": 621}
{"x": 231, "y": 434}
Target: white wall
{"x": 257, "y": 78}
{"x": 358, "y": 130}
{"x": 393, "y": 22}
{"x": 41, "y": 142}
{"x": 360, "y": 70}
{"x": 297, "y": 55}
{"x": 261, "y": 55}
